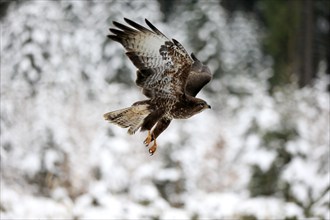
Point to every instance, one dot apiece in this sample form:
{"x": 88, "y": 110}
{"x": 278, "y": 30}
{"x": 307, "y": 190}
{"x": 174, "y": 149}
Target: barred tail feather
{"x": 131, "y": 117}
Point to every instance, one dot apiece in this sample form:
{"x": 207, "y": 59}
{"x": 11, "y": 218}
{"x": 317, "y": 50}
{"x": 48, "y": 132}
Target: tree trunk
{"x": 306, "y": 68}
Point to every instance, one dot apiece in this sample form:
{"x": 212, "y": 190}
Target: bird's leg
{"x": 160, "y": 127}
{"x": 148, "y": 140}
{"x": 153, "y": 148}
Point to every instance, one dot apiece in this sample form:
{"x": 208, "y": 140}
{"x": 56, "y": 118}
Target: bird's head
{"x": 197, "y": 105}
{"x": 189, "y": 106}
{"x": 200, "y": 105}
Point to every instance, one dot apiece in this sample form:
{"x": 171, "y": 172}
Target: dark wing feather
{"x": 199, "y": 76}
{"x": 163, "y": 64}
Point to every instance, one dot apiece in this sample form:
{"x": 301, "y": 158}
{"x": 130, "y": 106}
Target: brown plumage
{"x": 168, "y": 76}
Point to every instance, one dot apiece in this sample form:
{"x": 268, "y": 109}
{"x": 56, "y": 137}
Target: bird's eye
{"x": 201, "y": 105}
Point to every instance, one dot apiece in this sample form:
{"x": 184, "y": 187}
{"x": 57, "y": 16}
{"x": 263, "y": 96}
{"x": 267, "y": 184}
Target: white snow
{"x": 61, "y": 160}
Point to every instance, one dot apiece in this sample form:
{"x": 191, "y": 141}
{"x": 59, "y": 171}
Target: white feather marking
{"x": 131, "y": 117}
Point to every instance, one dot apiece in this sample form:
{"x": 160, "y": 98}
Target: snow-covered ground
{"x": 253, "y": 156}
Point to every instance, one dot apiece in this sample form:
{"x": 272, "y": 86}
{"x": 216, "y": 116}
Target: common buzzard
{"x": 168, "y": 76}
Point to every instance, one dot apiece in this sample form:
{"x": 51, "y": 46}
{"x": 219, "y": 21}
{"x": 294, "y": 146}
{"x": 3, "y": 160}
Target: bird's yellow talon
{"x": 153, "y": 148}
{"x": 148, "y": 139}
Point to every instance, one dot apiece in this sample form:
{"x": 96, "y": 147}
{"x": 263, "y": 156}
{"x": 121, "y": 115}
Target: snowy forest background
{"x": 262, "y": 152}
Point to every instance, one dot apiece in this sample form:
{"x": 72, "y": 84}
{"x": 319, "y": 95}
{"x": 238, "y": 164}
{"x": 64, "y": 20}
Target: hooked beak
{"x": 209, "y": 106}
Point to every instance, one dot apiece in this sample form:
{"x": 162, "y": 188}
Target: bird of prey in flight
{"x": 169, "y": 77}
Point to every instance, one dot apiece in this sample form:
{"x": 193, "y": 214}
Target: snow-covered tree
{"x": 254, "y": 156}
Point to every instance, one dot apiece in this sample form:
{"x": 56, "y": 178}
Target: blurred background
{"x": 262, "y": 152}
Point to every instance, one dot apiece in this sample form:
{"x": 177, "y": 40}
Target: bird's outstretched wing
{"x": 163, "y": 64}
{"x": 199, "y": 76}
